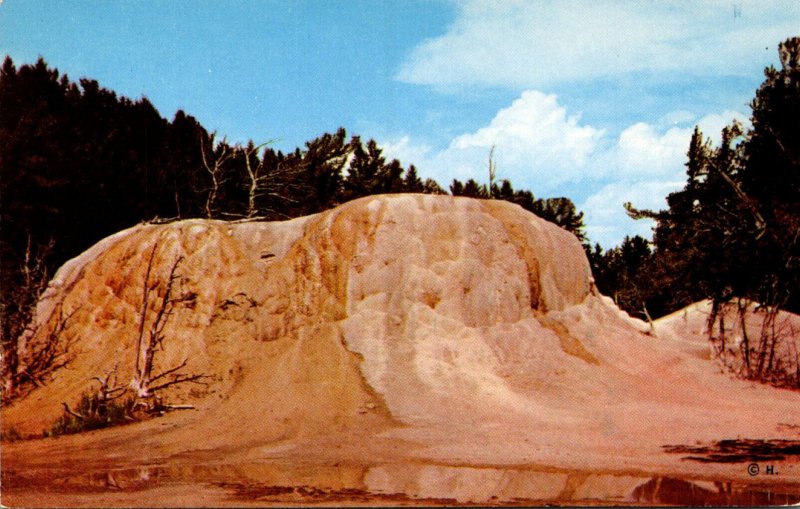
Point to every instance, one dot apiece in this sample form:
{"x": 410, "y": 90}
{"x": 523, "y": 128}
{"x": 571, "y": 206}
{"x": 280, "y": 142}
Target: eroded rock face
{"x": 406, "y": 288}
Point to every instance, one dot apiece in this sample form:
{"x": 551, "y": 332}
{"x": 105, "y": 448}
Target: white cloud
{"x": 535, "y": 139}
{"x": 542, "y": 147}
{"x": 537, "y": 44}
{"x": 405, "y": 151}
{"x": 535, "y": 126}
{"x": 642, "y": 151}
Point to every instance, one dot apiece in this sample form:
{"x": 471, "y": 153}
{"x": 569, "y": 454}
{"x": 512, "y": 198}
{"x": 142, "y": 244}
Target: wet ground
{"x": 391, "y": 484}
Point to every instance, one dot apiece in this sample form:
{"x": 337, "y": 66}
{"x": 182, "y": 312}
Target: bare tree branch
{"x": 170, "y": 371}
{"x": 179, "y": 379}
{"x": 143, "y": 312}
{"x": 222, "y": 154}
{"x": 72, "y": 412}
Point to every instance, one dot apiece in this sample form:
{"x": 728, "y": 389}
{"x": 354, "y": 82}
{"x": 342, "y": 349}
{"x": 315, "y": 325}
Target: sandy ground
{"x": 403, "y": 350}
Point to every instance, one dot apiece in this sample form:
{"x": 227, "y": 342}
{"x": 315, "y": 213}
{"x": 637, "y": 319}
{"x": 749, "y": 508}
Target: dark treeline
{"x": 79, "y": 163}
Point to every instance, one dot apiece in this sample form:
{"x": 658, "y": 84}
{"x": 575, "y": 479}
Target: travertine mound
{"x": 398, "y": 292}
{"x": 467, "y": 328}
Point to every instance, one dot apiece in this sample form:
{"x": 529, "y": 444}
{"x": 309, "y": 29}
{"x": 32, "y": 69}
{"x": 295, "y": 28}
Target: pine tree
{"x": 319, "y": 182}
{"x": 411, "y": 182}
{"x": 457, "y": 188}
{"x": 561, "y": 211}
{"x": 369, "y": 173}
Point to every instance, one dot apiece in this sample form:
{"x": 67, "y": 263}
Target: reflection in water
{"x": 667, "y": 491}
{"x": 400, "y": 483}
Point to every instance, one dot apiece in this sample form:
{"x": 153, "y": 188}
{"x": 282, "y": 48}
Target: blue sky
{"x": 594, "y": 100}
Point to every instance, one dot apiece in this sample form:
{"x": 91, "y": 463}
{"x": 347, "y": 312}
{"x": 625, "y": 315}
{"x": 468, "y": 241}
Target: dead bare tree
{"x": 109, "y": 389}
{"x": 256, "y": 176}
{"x": 222, "y": 153}
{"x": 741, "y": 310}
{"x": 44, "y": 354}
{"x": 97, "y": 405}
{"x": 98, "y": 409}
{"x": 150, "y": 340}
{"x": 17, "y": 312}
{"x": 770, "y": 355}
{"x": 492, "y": 171}
{"x": 275, "y": 182}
